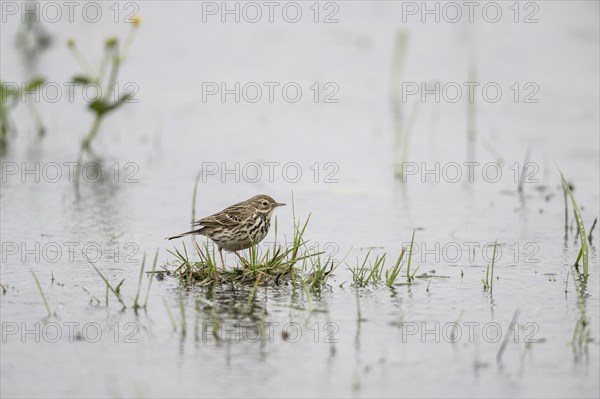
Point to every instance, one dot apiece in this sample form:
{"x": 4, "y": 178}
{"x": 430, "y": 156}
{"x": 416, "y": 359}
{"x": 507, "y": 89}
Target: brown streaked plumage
{"x": 238, "y": 226}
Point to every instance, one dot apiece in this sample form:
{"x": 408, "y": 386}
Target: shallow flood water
{"x": 441, "y": 335}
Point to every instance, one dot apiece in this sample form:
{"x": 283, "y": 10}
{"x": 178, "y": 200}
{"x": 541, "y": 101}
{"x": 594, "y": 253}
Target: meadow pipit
{"x": 239, "y": 226}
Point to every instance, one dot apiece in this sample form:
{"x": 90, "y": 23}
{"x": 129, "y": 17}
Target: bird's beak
{"x": 279, "y": 204}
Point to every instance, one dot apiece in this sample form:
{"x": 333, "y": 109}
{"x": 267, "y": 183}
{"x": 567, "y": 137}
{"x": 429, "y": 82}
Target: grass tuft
{"x": 108, "y": 286}
{"x": 363, "y": 274}
{"x": 584, "y": 251}
{"x": 488, "y": 283}
{"x": 392, "y": 274}
{"x": 284, "y": 263}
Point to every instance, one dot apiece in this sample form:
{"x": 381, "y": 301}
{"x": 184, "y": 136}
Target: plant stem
{"x": 137, "y": 295}
{"x": 194, "y": 197}
{"x": 37, "y": 282}
{"x": 151, "y": 278}
{"x": 412, "y": 240}
{"x": 493, "y": 261}
{"x": 85, "y": 144}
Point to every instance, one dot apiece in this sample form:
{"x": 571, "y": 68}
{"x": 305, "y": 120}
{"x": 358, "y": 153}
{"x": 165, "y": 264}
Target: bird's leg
{"x": 240, "y": 258}
{"x": 222, "y": 260}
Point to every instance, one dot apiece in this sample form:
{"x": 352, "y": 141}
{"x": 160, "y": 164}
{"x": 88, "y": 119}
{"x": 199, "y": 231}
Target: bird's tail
{"x": 197, "y": 231}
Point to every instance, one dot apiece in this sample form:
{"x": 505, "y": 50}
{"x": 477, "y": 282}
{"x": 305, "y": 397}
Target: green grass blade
{"x": 108, "y": 286}
{"x": 37, "y": 282}
{"x": 151, "y": 278}
{"x": 493, "y": 261}
{"x": 412, "y": 240}
{"x": 137, "y": 295}
{"x": 580, "y": 227}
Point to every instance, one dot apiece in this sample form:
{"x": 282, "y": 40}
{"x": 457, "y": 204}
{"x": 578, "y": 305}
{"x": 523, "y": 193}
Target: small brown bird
{"x": 238, "y": 226}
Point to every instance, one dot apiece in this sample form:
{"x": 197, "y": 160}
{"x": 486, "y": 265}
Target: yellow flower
{"x": 136, "y": 20}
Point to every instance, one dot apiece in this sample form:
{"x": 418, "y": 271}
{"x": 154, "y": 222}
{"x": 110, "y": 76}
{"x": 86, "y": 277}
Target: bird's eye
{"x": 265, "y": 203}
